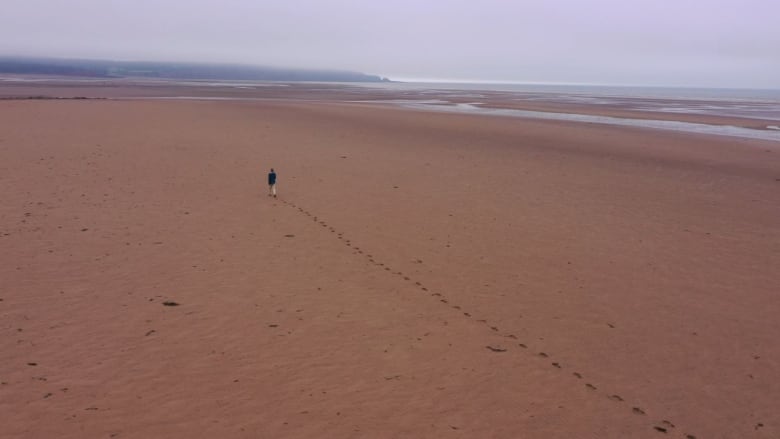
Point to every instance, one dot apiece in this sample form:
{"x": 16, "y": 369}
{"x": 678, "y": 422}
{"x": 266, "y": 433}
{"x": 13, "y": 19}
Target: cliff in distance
{"x": 174, "y": 70}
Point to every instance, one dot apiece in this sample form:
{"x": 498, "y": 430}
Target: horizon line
{"x": 456, "y": 81}
{"x": 391, "y": 78}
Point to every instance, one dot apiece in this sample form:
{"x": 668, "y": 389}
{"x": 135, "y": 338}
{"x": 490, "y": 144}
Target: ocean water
{"x": 669, "y": 125}
{"x": 731, "y": 102}
{"x": 741, "y": 103}
{"x": 750, "y": 103}
{"x": 598, "y": 91}
{"x": 738, "y": 103}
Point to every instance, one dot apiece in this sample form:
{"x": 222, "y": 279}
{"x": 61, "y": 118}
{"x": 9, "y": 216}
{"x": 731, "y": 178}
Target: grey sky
{"x": 732, "y": 43}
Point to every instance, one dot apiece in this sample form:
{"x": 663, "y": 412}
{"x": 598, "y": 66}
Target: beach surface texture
{"x": 422, "y": 274}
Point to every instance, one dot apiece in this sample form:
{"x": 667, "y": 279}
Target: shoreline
{"x": 613, "y": 111}
{"x": 768, "y": 133}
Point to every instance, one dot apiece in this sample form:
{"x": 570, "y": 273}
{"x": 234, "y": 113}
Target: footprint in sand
{"x": 495, "y": 349}
{"x": 542, "y": 354}
{"x": 616, "y": 398}
{"x": 638, "y": 411}
{"x": 577, "y": 374}
{"x": 558, "y": 365}
{"x": 661, "y": 429}
{"x": 590, "y": 386}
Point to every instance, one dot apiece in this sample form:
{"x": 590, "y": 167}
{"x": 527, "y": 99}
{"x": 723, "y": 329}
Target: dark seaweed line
{"x": 663, "y": 426}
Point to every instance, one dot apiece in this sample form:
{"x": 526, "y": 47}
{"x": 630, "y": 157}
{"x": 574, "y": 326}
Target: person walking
{"x": 272, "y": 183}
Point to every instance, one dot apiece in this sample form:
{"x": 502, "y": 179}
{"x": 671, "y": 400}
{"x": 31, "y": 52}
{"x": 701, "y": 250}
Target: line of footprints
{"x": 662, "y": 427}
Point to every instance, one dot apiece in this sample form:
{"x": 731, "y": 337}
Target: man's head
{"x": 272, "y": 169}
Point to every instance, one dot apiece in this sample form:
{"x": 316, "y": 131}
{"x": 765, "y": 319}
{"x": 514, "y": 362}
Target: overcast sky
{"x": 731, "y": 43}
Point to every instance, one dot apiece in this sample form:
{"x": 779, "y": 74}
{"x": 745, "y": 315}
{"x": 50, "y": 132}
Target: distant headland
{"x": 173, "y": 70}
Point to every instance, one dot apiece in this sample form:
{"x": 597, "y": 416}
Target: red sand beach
{"x": 421, "y": 275}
